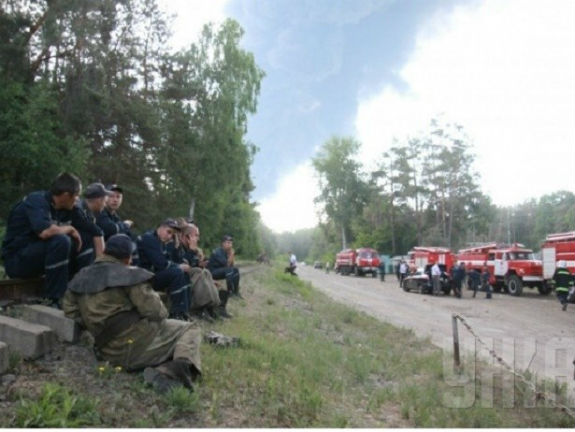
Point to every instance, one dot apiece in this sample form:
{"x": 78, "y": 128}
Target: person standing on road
{"x": 563, "y": 281}
{"x": 485, "y": 285}
{"x": 435, "y": 277}
{"x": 474, "y": 278}
{"x": 402, "y": 271}
{"x": 458, "y": 277}
{"x": 381, "y": 269}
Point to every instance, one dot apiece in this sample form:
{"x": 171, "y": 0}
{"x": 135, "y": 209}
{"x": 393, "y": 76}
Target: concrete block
{"x": 29, "y": 340}
{"x": 4, "y": 358}
{"x": 66, "y": 329}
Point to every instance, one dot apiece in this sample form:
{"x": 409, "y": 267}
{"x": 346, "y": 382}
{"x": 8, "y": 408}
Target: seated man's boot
{"x": 160, "y": 381}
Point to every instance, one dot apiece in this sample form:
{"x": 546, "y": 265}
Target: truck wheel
{"x": 544, "y": 289}
{"x": 514, "y": 285}
{"x": 356, "y": 271}
{"x": 373, "y": 274}
{"x": 404, "y": 286}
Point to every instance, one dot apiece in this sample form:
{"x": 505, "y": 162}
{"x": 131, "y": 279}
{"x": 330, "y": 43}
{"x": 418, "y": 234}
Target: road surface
{"x": 529, "y": 332}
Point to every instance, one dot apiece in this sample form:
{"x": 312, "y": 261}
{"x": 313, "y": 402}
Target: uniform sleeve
{"x": 218, "y": 259}
{"x": 82, "y": 223}
{"x": 147, "y": 302}
{"x": 150, "y": 250}
{"x": 109, "y": 226}
{"x": 37, "y": 211}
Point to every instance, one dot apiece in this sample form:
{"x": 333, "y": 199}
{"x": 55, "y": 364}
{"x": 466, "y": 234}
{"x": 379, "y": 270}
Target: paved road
{"x": 529, "y": 331}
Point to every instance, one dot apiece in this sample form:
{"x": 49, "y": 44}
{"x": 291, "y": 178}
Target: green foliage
{"x": 342, "y": 191}
{"x": 14, "y": 362}
{"x": 91, "y": 88}
{"x": 182, "y": 400}
{"x": 424, "y": 192}
{"x": 57, "y": 407}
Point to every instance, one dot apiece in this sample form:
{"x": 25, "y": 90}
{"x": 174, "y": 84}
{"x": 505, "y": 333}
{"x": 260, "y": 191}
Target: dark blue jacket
{"x": 85, "y": 221}
{"x": 34, "y": 214}
{"x": 458, "y": 273}
{"x": 485, "y": 276}
{"x": 112, "y": 224}
{"x": 154, "y": 255}
{"x": 183, "y": 255}
{"x": 218, "y": 259}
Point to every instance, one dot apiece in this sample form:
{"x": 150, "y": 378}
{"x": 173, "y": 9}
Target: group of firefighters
{"x": 563, "y": 280}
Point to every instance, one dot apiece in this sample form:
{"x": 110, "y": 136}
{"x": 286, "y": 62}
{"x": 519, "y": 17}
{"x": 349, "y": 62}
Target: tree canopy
{"x": 89, "y": 86}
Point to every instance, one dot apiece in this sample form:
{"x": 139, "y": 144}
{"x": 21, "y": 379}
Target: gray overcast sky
{"x": 505, "y": 70}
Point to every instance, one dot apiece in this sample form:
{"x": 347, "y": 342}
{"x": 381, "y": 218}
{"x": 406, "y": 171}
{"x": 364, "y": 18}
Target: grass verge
{"x": 306, "y": 361}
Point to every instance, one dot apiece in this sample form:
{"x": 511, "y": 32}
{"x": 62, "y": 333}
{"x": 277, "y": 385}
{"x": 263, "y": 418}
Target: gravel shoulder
{"x": 529, "y": 332}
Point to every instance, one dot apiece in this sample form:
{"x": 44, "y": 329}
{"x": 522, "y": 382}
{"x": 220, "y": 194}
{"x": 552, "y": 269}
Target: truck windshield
{"x": 521, "y": 256}
{"x": 365, "y": 255}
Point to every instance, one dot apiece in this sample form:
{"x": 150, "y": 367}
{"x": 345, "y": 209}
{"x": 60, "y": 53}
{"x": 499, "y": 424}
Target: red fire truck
{"x": 421, "y": 256}
{"x": 358, "y": 261}
{"x": 558, "y": 247}
{"x": 511, "y": 266}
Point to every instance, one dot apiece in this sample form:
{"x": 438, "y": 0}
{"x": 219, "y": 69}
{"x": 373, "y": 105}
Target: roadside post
{"x": 456, "y": 358}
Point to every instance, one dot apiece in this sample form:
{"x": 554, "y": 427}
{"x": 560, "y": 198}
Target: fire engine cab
{"x": 358, "y": 261}
{"x": 511, "y": 267}
{"x": 421, "y": 256}
{"x": 558, "y": 247}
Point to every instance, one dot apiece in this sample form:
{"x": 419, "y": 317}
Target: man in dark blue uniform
{"x": 110, "y": 222}
{"x": 169, "y": 276}
{"x": 221, "y": 265}
{"x": 91, "y": 205}
{"x": 109, "y": 219}
{"x": 42, "y": 236}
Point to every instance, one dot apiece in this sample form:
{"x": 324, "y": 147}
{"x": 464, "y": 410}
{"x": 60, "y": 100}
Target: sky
{"x": 379, "y": 69}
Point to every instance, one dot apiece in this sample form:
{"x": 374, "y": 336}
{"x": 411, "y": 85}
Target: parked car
{"x": 420, "y": 282}
{"x": 317, "y": 265}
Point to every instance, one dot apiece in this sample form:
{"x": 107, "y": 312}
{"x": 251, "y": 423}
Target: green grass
{"x": 57, "y": 407}
{"x": 304, "y": 361}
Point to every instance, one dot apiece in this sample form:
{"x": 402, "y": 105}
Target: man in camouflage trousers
{"x": 116, "y": 303}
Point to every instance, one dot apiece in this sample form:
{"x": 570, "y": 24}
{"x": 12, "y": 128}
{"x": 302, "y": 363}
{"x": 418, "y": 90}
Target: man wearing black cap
{"x": 42, "y": 236}
{"x": 116, "y": 303}
{"x": 221, "y": 265}
{"x": 169, "y": 276}
{"x": 110, "y": 222}
{"x": 92, "y": 236}
{"x": 109, "y": 219}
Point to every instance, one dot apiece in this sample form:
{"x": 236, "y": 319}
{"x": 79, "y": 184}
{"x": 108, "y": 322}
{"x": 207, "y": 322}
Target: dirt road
{"x": 529, "y": 332}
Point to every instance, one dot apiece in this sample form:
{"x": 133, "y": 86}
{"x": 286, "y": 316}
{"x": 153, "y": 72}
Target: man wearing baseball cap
{"x": 109, "y": 219}
{"x": 90, "y": 206}
{"x": 169, "y": 276}
{"x": 116, "y": 303}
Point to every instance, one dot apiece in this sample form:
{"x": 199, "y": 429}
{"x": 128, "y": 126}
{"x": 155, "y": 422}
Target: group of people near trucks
{"x": 563, "y": 280}
{"x": 110, "y": 281}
